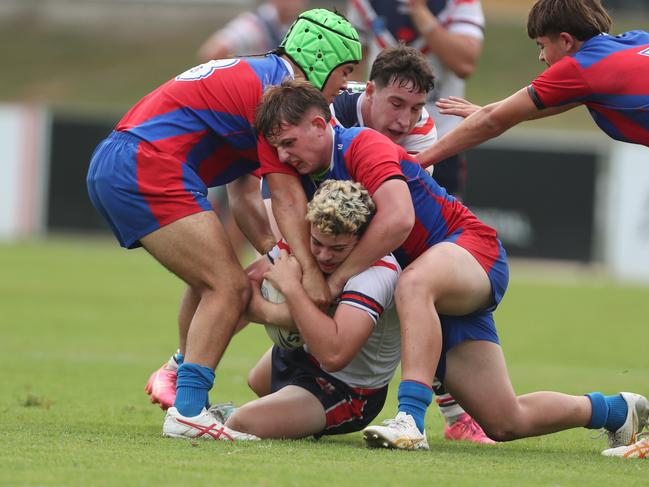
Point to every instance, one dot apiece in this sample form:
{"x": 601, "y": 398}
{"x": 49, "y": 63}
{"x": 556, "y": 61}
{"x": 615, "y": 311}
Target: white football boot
{"x": 400, "y": 432}
{"x": 636, "y": 420}
{"x": 205, "y": 425}
{"x": 222, "y": 411}
{"x": 639, "y": 449}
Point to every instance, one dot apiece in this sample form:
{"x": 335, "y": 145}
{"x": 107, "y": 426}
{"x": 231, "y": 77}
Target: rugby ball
{"x": 282, "y": 338}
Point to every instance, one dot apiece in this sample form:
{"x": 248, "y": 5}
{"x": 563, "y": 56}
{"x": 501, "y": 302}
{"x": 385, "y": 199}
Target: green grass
{"x": 83, "y": 323}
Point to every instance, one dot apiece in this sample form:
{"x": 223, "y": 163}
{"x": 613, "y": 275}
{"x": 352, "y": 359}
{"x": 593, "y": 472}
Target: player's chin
{"x": 327, "y": 268}
{"x": 395, "y": 137}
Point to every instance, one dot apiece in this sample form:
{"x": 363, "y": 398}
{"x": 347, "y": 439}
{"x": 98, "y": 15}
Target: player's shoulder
{"x": 344, "y": 109}
{"x": 380, "y": 277}
{"x": 422, "y": 136}
{"x": 389, "y": 263}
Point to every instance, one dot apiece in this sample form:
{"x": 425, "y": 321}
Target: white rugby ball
{"x": 282, "y": 338}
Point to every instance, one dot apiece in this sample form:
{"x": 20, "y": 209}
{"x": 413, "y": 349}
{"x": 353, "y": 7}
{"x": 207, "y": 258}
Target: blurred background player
{"x": 449, "y": 33}
{"x": 149, "y": 180}
{"x": 586, "y": 66}
{"x": 255, "y": 32}
{"x": 455, "y": 274}
{"x": 338, "y": 381}
{"x": 393, "y": 104}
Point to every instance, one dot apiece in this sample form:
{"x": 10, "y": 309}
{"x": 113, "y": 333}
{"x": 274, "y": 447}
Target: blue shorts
{"x": 458, "y": 329}
{"x": 347, "y": 408}
{"x": 138, "y": 189}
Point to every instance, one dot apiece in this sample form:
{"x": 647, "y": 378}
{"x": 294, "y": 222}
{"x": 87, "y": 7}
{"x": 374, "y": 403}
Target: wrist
{"x": 267, "y": 245}
{"x": 337, "y": 280}
{"x": 426, "y": 27}
{"x": 292, "y": 288}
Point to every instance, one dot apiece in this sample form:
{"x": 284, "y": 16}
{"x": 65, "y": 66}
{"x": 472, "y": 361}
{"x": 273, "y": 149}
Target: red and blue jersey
{"x": 363, "y": 155}
{"x": 610, "y": 75}
{"x": 204, "y": 116}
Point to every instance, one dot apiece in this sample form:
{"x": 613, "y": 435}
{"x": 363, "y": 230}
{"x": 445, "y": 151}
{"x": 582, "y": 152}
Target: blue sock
{"x": 414, "y": 399}
{"x": 617, "y": 410}
{"x": 608, "y": 411}
{"x": 179, "y": 358}
{"x": 192, "y": 387}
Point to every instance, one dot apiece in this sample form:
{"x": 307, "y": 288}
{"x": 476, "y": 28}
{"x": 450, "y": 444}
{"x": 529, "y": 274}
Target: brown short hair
{"x": 582, "y": 19}
{"x": 287, "y": 103}
{"x": 404, "y": 65}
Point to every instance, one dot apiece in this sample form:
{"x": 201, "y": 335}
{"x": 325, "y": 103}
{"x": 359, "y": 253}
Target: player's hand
{"x": 454, "y": 105}
{"x": 285, "y": 272}
{"x": 316, "y": 287}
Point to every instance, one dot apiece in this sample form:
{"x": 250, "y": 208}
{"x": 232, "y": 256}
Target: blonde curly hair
{"x": 341, "y": 207}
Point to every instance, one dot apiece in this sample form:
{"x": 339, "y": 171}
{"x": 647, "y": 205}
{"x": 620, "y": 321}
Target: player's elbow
{"x": 334, "y": 361}
{"x": 464, "y": 69}
{"x": 490, "y": 121}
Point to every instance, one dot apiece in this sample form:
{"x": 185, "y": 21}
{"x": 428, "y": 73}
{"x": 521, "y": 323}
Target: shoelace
{"x": 400, "y": 423}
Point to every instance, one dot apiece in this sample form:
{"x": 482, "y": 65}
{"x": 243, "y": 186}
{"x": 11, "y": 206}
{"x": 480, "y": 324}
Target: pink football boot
{"x": 466, "y": 429}
{"x": 161, "y": 386}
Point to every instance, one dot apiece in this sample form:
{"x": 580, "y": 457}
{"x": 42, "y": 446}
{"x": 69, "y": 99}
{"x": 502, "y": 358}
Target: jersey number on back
{"x": 207, "y": 69}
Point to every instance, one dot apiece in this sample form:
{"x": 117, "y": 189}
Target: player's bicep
{"x": 393, "y": 196}
{"x": 355, "y": 325}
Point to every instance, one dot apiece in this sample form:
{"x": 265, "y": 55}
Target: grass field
{"x": 83, "y": 324}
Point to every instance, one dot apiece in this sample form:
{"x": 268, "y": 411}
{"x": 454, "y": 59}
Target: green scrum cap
{"x": 319, "y": 41}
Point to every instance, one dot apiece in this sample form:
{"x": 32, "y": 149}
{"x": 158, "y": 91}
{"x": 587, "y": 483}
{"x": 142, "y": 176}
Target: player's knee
{"x": 500, "y": 434}
{"x": 238, "y": 421}
{"x": 258, "y": 382}
{"x": 235, "y": 289}
{"x": 412, "y": 284}
{"x": 502, "y": 429}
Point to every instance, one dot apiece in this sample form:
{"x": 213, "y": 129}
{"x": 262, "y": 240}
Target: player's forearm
{"x": 249, "y": 212}
{"x": 474, "y": 130}
{"x": 289, "y": 207}
{"x": 460, "y": 53}
{"x": 388, "y": 230}
{"x": 319, "y": 331}
{"x": 266, "y": 313}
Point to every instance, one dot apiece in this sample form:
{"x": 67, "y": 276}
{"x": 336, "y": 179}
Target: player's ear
{"x": 319, "y": 122}
{"x": 370, "y": 89}
{"x": 568, "y": 42}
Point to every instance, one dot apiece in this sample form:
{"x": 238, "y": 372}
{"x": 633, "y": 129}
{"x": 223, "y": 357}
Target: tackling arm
{"x": 484, "y": 124}
{"x": 289, "y": 207}
{"x": 249, "y": 212}
{"x": 389, "y": 228}
{"x": 333, "y": 341}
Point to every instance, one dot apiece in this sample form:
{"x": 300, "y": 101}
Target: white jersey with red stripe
{"x": 373, "y": 292}
{"x": 346, "y": 111}
{"x": 383, "y": 23}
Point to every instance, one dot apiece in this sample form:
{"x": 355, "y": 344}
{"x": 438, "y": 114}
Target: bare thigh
{"x": 448, "y": 275}
{"x": 196, "y": 249}
{"x": 291, "y": 412}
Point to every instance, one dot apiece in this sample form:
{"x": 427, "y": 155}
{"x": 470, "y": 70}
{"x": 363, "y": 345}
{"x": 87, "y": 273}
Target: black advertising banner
{"x": 542, "y": 203}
